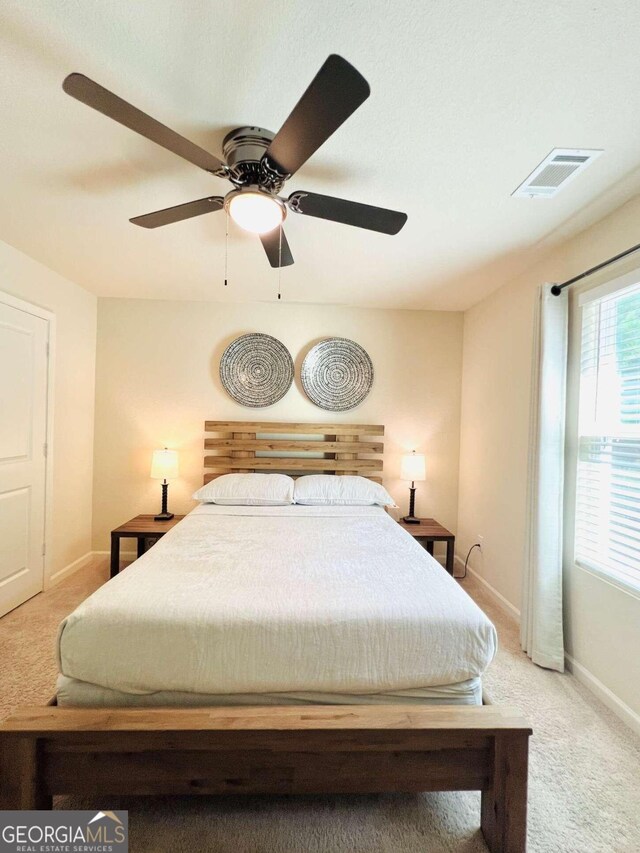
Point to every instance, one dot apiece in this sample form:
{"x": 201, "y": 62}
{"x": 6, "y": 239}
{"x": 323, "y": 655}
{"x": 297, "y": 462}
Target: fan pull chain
{"x": 226, "y": 245}
{"x": 280, "y": 262}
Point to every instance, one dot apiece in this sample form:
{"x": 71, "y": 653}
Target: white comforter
{"x": 264, "y": 600}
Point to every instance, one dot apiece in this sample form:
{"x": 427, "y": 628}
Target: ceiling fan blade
{"x": 334, "y": 94}
{"x": 83, "y": 89}
{"x": 278, "y": 256}
{"x": 179, "y": 212}
{"x": 348, "y": 212}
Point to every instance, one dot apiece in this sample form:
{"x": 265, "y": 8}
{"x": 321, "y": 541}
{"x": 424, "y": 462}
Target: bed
{"x": 278, "y": 650}
{"x": 201, "y": 618}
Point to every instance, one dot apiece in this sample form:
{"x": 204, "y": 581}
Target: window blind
{"x": 607, "y": 534}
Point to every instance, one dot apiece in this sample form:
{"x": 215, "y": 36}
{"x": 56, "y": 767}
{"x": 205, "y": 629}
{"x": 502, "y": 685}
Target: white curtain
{"x": 541, "y": 633}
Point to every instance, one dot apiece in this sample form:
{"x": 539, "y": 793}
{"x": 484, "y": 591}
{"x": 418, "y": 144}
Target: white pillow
{"x": 247, "y": 490}
{"x": 335, "y": 490}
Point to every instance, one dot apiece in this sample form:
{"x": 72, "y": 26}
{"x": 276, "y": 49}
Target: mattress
{"x": 263, "y": 601}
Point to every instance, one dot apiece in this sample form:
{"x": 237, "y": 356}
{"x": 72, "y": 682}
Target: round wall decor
{"x": 256, "y": 370}
{"x": 337, "y": 374}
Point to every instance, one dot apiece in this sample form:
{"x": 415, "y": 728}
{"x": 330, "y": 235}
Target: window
{"x": 607, "y": 535}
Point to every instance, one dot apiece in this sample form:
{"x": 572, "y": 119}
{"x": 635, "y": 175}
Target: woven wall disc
{"x": 337, "y": 374}
{"x": 256, "y": 370}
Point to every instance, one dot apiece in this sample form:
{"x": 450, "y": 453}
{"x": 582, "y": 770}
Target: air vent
{"x": 555, "y": 172}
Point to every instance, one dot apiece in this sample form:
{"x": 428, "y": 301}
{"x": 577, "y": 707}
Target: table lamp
{"x": 412, "y": 468}
{"x": 164, "y": 466}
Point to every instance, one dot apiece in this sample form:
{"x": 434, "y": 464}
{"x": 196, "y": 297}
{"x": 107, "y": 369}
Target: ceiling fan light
{"x": 256, "y": 211}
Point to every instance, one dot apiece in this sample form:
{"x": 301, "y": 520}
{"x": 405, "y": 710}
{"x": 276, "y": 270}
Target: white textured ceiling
{"x": 467, "y": 97}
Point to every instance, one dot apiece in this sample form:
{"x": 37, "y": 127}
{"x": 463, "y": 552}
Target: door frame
{"x": 50, "y": 317}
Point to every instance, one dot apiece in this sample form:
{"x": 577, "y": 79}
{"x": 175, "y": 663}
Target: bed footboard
{"x": 285, "y": 750}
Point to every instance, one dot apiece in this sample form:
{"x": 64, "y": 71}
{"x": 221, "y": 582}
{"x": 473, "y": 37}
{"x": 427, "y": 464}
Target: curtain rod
{"x": 558, "y": 288}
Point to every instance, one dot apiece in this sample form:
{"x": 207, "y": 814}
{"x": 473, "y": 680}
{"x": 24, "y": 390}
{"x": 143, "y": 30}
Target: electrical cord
{"x": 477, "y": 545}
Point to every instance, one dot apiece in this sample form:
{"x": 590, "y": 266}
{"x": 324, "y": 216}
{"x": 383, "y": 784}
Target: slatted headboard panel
{"x": 240, "y": 446}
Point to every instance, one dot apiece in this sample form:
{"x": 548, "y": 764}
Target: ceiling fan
{"x": 258, "y": 162}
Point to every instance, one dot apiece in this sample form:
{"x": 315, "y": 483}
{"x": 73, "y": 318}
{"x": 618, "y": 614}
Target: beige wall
{"x": 602, "y": 621}
{"x": 494, "y": 435}
{"x": 157, "y": 381}
{"x": 73, "y": 394}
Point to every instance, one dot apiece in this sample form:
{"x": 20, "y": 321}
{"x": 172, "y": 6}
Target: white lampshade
{"x": 164, "y": 465}
{"x": 413, "y": 467}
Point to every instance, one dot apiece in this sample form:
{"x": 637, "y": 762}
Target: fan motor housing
{"x": 243, "y": 150}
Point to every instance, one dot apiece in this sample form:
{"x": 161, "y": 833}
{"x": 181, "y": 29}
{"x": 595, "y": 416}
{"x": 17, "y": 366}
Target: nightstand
{"x": 142, "y": 527}
{"x": 429, "y": 531}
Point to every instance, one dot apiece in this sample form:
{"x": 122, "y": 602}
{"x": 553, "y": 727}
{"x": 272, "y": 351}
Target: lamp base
{"x": 410, "y": 518}
{"x": 163, "y": 515}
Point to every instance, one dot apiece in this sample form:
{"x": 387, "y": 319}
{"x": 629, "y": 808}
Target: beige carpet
{"x": 584, "y": 779}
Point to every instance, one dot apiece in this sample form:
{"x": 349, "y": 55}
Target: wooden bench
{"x": 265, "y": 750}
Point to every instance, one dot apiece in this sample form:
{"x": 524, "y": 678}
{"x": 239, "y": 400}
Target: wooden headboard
{"x": 294, "y": 449}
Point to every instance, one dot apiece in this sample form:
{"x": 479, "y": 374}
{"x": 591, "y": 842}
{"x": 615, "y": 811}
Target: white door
{"x": 23, "y": 430}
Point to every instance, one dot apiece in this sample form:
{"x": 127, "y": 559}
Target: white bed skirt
{"x": 81, "y": 694}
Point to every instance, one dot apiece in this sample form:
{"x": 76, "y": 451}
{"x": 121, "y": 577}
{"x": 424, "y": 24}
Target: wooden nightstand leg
{"x": 115, "y": 555}
{"x": 141, "y": 545}
{"x": 450, "y": 551}
{"x": 429, "y": 546}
